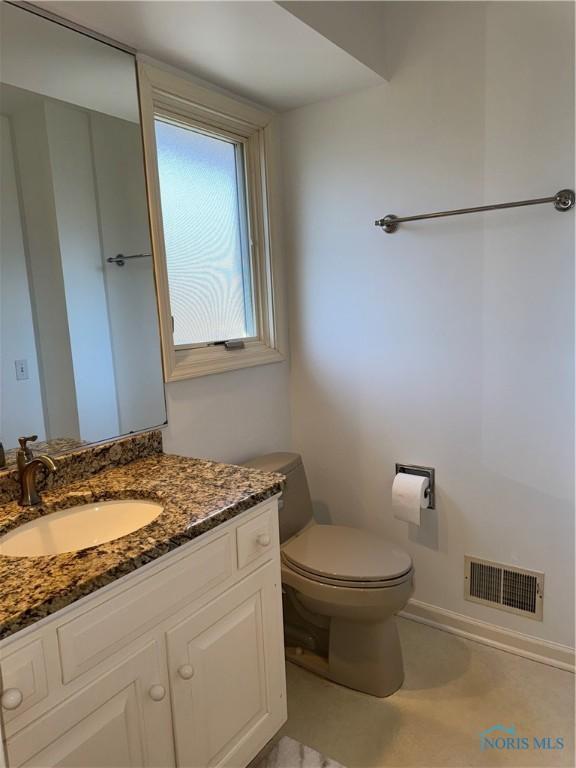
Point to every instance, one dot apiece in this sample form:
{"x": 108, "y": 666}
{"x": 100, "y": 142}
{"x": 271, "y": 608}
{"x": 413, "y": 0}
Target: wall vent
{"x": 504, "y": 586}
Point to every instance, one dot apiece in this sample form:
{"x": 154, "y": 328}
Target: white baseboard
{"x": 543, "y": 651}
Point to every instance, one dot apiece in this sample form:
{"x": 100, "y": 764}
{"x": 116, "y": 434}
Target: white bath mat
{"x": 288, "y": 753}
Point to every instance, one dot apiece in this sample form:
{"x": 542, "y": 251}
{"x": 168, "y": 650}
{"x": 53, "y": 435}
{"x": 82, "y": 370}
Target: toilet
{"x": 342, "y": 587}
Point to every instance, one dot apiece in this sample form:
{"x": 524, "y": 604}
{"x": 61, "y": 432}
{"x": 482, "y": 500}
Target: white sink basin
{"x": 76, "y": 528}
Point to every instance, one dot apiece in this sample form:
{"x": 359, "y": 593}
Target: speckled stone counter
{"x": 81, "y": 463}
{"x": 52, "y": 447}
{"x": 196, "y": 495}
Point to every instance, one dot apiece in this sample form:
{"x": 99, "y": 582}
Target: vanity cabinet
{"x": 180, "y": 663}
{"x": 226, "y": 662}
{"x": 121, "y": 719}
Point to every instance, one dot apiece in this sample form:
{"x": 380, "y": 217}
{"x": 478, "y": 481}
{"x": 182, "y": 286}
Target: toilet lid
{"x": 346, "y": 553}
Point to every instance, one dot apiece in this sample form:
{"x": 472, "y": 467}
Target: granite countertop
{"x": 197, "y": 496}
{"x": 56, "y": 445}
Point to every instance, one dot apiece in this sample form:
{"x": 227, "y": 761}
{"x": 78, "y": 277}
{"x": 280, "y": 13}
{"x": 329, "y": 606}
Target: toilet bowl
{"x": 342, "y": 587}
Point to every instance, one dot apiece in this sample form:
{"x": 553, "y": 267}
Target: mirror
{"x": 79, "y": 338}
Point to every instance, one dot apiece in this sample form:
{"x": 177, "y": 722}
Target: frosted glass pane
{"x": 207, "y": 274}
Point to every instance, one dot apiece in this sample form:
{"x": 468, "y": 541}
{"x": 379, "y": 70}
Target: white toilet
{"x": 342, "y": 587}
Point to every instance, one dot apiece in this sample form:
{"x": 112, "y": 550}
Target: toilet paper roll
{"x": 408, "y": 497}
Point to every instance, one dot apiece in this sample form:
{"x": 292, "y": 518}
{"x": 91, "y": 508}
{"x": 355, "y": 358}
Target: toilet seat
{"x": 346, "y": 557}
{"x": 317, "y": 578}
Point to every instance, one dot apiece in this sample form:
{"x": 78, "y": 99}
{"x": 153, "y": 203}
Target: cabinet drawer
{"x": 92, "y": 637}
{"x": 24, "y": 680}
{"x": 256, "y": 538}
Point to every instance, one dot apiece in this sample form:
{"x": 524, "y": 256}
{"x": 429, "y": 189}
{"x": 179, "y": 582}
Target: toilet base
{"x": 364, "y": 656}
{"x": 309, "y": 660}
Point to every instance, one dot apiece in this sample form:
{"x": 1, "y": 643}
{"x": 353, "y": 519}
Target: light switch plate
{"x": 21, "y": 370}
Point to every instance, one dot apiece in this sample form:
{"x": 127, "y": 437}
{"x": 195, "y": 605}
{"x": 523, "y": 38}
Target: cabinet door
{"x": 227, "y": 674}
{"x": 121, "y": 719}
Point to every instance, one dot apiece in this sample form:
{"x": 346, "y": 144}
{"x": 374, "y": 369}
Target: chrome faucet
{"x": 28, "y": 465}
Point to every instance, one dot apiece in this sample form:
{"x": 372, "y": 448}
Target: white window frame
{"x": 166, "y": 94}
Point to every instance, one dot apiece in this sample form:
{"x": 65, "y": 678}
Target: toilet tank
{"x": 295, "y": 505}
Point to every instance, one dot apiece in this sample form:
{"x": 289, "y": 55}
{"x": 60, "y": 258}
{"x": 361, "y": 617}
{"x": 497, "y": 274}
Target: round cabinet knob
{"x": 263, "y": 539}
{"x": 12, "y": 698}
{"x": 186, "y": 671}
{"x": 157, "y": 692}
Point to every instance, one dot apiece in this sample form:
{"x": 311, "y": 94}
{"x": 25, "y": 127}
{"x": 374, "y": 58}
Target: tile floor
{"x": 454, "y": 689}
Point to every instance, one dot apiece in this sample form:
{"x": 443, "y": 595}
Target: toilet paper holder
{"x": 414, "y": 469}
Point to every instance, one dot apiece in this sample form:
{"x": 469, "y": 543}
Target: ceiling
{"x": 259, "y": 50}
{"x": 84, "y": 72}
{"x": 356, "y": 26}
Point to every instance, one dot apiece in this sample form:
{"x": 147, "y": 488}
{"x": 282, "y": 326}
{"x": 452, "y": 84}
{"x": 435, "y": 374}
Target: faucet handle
{"x": 23, "y": 444}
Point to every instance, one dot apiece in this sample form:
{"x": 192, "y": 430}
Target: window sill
{"x": 192, "y": 363}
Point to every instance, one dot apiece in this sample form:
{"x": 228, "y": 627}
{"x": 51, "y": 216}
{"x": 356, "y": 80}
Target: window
{"x": 207, "y": 176}
{"x": 202, "y": 185}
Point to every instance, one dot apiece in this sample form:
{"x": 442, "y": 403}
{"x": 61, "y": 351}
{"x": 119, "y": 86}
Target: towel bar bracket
{"x": 564, "y": 200}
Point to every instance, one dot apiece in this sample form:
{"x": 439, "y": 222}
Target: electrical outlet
{"x": 21, "y": 370}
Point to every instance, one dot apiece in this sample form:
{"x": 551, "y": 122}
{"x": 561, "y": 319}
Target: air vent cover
{"x": 504, "y": 586}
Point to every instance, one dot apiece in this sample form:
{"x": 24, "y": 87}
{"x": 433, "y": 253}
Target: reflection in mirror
{"x": 79, "y": 341}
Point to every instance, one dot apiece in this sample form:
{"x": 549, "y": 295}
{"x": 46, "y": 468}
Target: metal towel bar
{"x": 563, "y": 201}
{"x": 120, "y": 259}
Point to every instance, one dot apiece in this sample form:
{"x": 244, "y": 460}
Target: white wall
{"x": 76, "y": 211}
{"x": 132, "y": 311}
{"x": 20, "y": 401}
{"x": 229, "y": 416}
{"x": 450, "y": 342}
{"x": 54, "y": 61}
{"x": 45, "y": 273}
